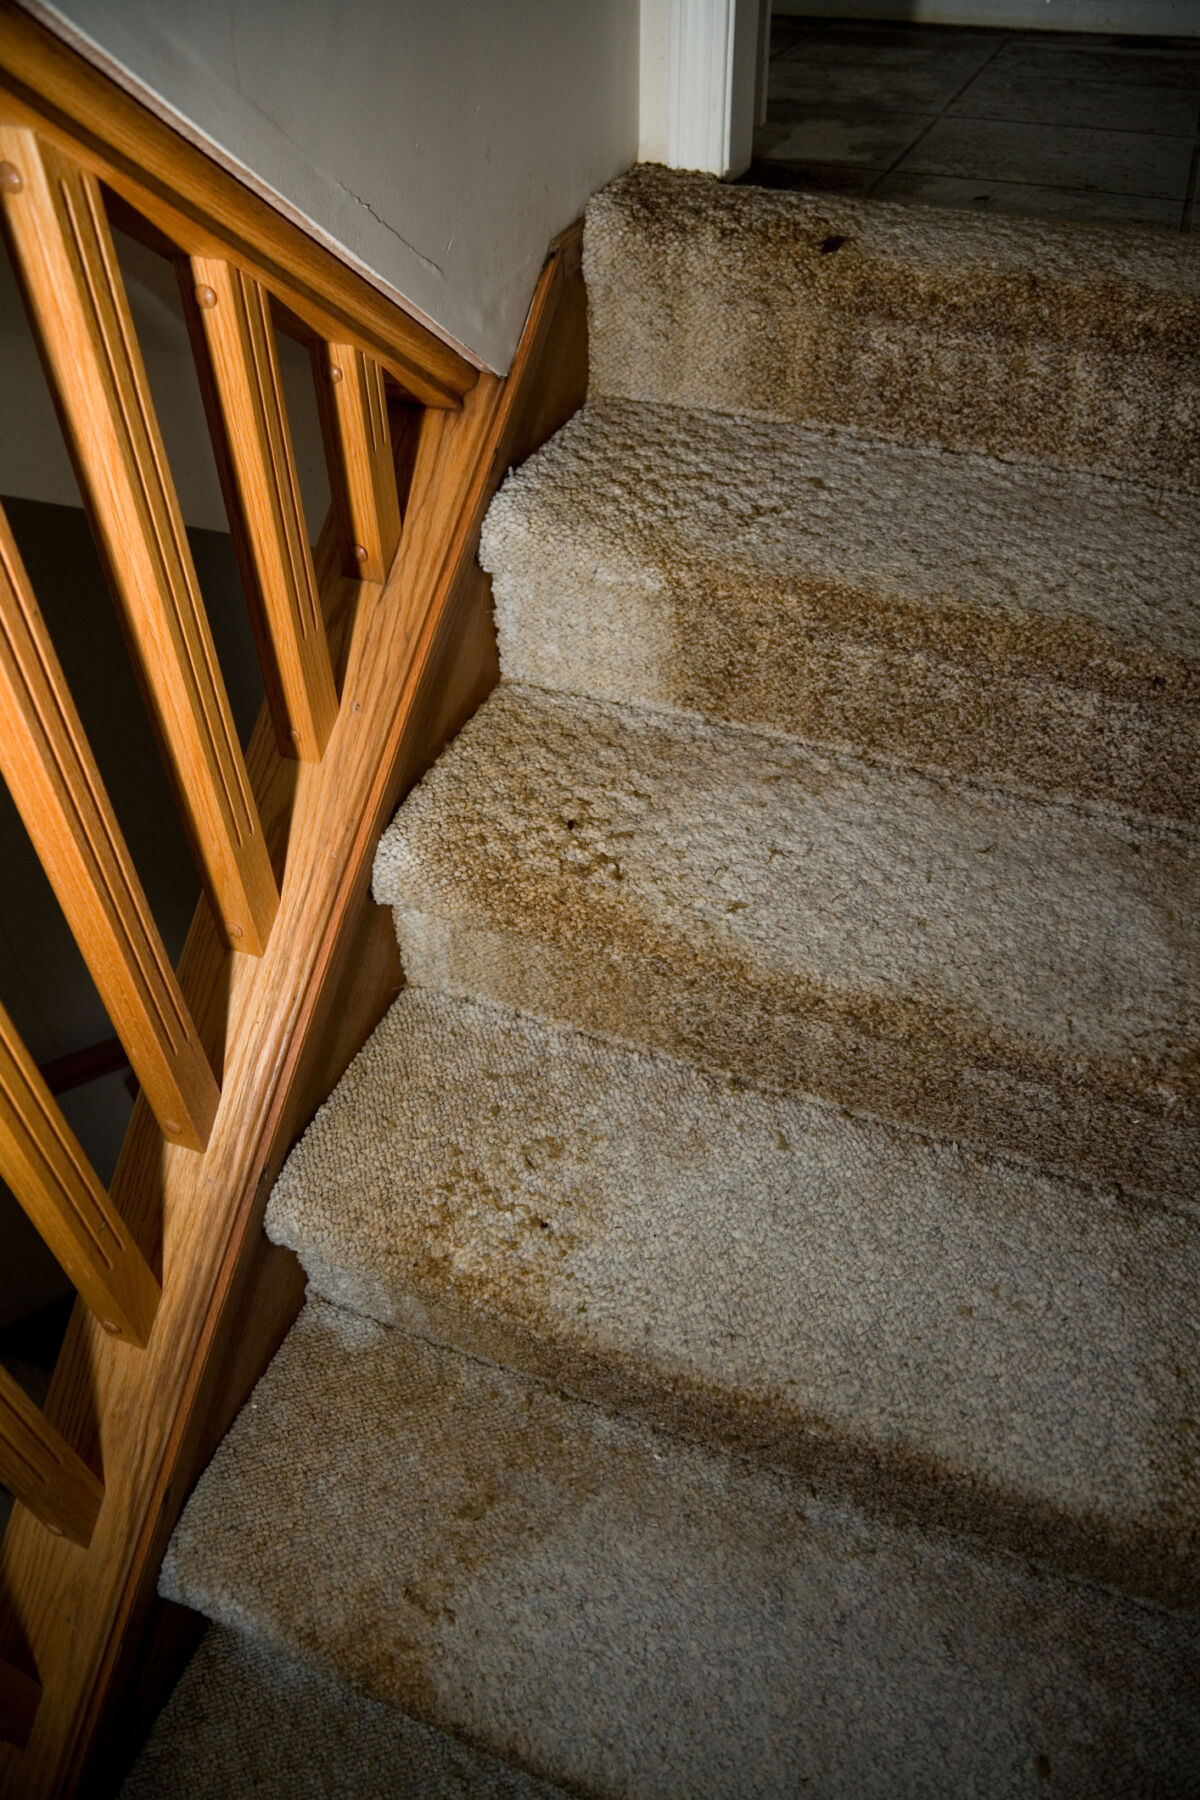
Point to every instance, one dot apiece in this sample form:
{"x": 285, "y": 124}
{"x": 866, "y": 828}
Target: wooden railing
{"x": 373, "y": 649}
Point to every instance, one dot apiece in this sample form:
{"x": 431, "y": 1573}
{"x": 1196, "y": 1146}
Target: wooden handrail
{"x": 64, "y": 258}
{"x": 394, "y": 602}
{"x": 45, "y": 1166}
{"x": 358, "y": 453}
{"x": 229, "y": 320}
{"x": 41, "y": 1470}
{"x": 203, "y": 210}
{"x": 57, "y": 789}
{"x": 419, "y": 658}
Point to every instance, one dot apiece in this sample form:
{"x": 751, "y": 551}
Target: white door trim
{"x": 710, "y": 74}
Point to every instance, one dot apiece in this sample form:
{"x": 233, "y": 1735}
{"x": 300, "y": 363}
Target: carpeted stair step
{"x": 930, "y": 1332}
{"x": 1066, "y": 344}
{"x": 633, "y": 1615}
{"x": 245, "y": 1720}
{"x": 1033, "y": 629}
{"x": 1017, "y": 975}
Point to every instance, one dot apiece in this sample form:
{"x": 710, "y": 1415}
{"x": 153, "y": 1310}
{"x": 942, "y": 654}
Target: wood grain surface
{"x": 229, "y": 321}
{"x": 57, "y": 789}
{"x": 418, "y": 654}
{"x": 63, "y": 256}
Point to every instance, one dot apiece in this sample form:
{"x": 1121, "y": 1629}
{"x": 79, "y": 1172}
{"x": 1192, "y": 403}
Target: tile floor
{"x": 1050, "y": 124}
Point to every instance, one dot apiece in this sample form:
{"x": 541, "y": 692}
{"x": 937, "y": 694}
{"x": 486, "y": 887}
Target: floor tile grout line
{"x": 922, "y": 135}
{"x": 1166, "y": 137}
{"x": 803, "y": 165}
{"x": 836, "y": 106}
{"x": 794, "y": 55}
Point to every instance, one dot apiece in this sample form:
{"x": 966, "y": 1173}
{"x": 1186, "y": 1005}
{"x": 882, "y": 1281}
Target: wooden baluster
{"x": 358, "y": 449}
{"x": 19, "y": 1697}
{"x": 230, "y": 324}
{"x": 57, "y": 789}
{"x": 64, "y": 257}
{"x": 40, "y": 1468}
{"x": 45, "y": 1166}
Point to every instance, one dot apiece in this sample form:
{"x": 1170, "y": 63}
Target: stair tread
{"x": 580, "y": 1594}
{"x": 651, "y": 482}
{"x": 890, "y": 941}
{"x": 930, "y": 1330}
{"x": 1062, "y": 343}
{"x": 244, "y": 1719}
{"x": 1031, "y": 627}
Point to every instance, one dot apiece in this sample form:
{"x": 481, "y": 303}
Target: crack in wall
{"x": 399, "y": 236}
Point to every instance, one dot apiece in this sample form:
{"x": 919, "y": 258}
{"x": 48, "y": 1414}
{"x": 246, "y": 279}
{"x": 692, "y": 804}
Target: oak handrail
{"x": 392, "y": 599}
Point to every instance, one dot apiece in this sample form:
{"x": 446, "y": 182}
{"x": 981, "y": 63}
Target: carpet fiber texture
{"x": 629, "y": 1613}
{"x": 1077, "y": 346}
{"x": 928, "y": 1329}
{"x": 949, "y": 957}
{"x": 753, "y": 1340}
{"x": 245, "y": 1720}
{"x": 1029, "y": 628}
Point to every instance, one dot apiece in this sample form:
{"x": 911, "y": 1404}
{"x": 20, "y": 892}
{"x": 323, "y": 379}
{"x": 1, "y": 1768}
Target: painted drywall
{"x": 1167, "y": 18}
{"x": 438, "y": 146}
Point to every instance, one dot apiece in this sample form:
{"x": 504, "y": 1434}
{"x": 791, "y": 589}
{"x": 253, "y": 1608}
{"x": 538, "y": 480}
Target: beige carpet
{"x": 246, "y": 1720}
{"x": 1077, "y": 346}
{"x": 1025, "y": 627}
{"x": 753, "y": 1339}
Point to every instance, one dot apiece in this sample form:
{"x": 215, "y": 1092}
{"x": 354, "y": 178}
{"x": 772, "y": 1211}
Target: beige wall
{"x": 441, "y": 145}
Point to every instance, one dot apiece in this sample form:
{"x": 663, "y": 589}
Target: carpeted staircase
{"x": 753, "y": 1341}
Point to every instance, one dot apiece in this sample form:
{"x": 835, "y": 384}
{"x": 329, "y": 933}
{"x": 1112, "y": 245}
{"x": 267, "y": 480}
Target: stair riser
{"x": 1054, "y": 713}
{"x": 635, "y": 1616}
{"x": 891, "y": 1483}
{"x": 933, "y": 329}
{"x": 725, "y": 1015}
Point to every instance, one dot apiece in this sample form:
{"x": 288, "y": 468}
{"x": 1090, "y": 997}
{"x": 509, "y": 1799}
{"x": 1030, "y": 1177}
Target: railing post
{"x": 57, "y": 789}
{"x": 42, "y": 1471}
{"x": 229, "y": 321}
{"x": 63, "y": 252}
{"x": 358, "y": 451}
